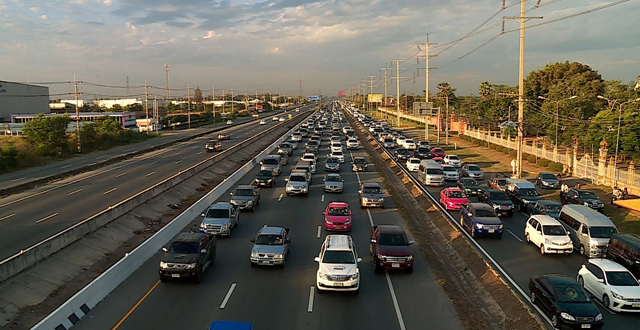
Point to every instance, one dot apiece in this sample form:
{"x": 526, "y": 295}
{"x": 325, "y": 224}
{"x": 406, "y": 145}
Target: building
{"x": 108, "y": 104}
{"x": 128, "y": 119}
{"x": 17, "y": 98}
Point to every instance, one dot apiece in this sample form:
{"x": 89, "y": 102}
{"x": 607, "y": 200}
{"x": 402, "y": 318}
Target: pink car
{"x": 337, "y": 216}
{"x": 452, "y": 198}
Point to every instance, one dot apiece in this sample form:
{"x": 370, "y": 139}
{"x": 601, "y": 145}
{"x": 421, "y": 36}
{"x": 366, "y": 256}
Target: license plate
{"x": 266, "y": 262}
{"x": 338, "y": 227}
{"x": 504, "y": 213}
{"x": 586, "y": 326}
{"x": 338, "y": 284}
{"x": 395, "y": 265}
{"x": 635, "y": 305}
{"x": 175, "y": 275}
{"x": 491, "y": 231}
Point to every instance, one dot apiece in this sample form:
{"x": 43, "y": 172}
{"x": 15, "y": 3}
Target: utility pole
{"x": 156, "y": 113}
{"x": 398, "y": 89}
{"x": 426, "y": 84}
{"x": 246, "y": 101}
{"x": 520, "y": 139}
{"x": 75, "y": 86}
{"x": 146, "y": 103}
{"x": 167, "y": 90}
{"x": 128, "y": 94}
{"x": 385, "y": 84}
{"x": 371, "y": 89}
{"x": 189, "y": 105}
{"x": 213, "y": 99}
{"x": 299, "y": 93}
{"x": 224, "y": 100}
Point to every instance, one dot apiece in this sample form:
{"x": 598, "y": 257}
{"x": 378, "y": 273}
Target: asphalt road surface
{"x": 34, "y": 215}
{"x": 274, "y": 298}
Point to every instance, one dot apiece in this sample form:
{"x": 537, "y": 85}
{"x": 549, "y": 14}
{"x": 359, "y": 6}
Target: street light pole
{"x": 557, "y": 102}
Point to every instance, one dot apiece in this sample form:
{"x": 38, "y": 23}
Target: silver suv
{"x": 270, "y": 246}
{"x": 297, "y": 184}
{"x": 273, "y": 163}
{"x": 246, "y": 197}
{"x": 220, "y": 218}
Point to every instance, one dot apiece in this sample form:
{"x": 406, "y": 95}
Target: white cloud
{"x": 107, "y": 2}
{"x": 210, "y": 34}
{"x": 132, "y": 27}
{"x": 276, "y": 50}
{"x": 43, "y": 17}
{"x": 34, "y": 9}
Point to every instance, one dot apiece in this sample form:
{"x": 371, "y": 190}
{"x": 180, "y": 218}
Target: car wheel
{"x": 284, "y": 261}
{"x": 198, "y": 277}
{"x": 532, "y": 296}
{"x": 409, "y": 270}
{"x": 229, "y": 232}
{"x": 542, "y": 249}
{"x": 554, "y": 321}
{"x": 581, "y": 250}
{"x": 474, "y": 234}
{"x": 163, "y": 278}
{"x": 462, "y": 222}
{"x": 605, "y": 301}
{"x": 581, "y": 281}
{"x": 376, "y": 268}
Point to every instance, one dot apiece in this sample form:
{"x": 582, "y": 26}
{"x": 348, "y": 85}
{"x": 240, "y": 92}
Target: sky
{"x": 325, "y": 46}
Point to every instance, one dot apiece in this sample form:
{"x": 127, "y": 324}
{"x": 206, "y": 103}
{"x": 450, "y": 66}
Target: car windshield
{"x": 484, "y": 213}
{"x": 393, "y": 239}
{"x": 501, "y": 182}
{"x": 183, "y": 247}
{"x": 548, "y": 176}
{"x": 455, "y": 194}
{"x": 573, "y": 294}
{"x": 499, "y": 196}
{"x": 270, "y": 161}
{"x": 414, "y": 161}
{"x": 602, "y": 232}
{"x": 333, "y": 178}
{"x": 269, "y": 240}
{"x": 434, "y": 171}
{"x": 449, "y": 169}
{"x": 404, "y": 152}
{"x": 388, "y": 140}
{"x": 243, "y": 192}
{"x": 474, "y": 168}
{"x": 552, "y": 208}
{"x": 621, "y": 278}
{"x": 423, "y": 150}
{"x": 332, "y": 160}
{"x": 338, "y": 211}
{"x": 338, "y": 257}
{"x": 265, "y": 173}
{"x": 337, "y": 153}
{"x": 469, "y": 182}
{"x": 285, "y": 145}
{"x": 528, "y": 192}
{"x": 588, "y": 195}
{"x": 371, "y": 190}
{"x": 359, "y": 161}
{"x": 218, "y": 213}
{"x": 297, "y": 178}
{"x": 554, "y": 230}
{"x": 454, "y": 158}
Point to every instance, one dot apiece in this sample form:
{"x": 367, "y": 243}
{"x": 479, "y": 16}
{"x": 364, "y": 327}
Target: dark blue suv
{"x": 481, "y": 219}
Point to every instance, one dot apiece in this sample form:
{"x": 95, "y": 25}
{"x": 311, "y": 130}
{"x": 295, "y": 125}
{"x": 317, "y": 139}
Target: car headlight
{"x": 163, "y": 265}
{"x": 270, "y": 180}
{"x": 409, "y": 258}
{"x": 381, "y": 257}
{"x": 278, "y": 256}
{"x": 586, "y": 203}
{"x": 496, "y": 206}
{"x": 254, "y": 255}
{"x": 525, "y": 202}
{"x": 479, "y": 225}
{"x": 249, "y": 202}
{"x": 322, "y": 276}
{"x": 354, "y": 276}
{"x": 364, "y": 199}
{"x": 617, "y": 295}
{"x": 594, "y": 244}
{"x": 191, "y": 266}
{"x": 225, "y": 226}
{"x": 501, "y": 225}
{"x": 599, "y": 317}
{"x": 567, "y": 316}
{"x": 547, "y": 241}
{"x": 347, "y": 221}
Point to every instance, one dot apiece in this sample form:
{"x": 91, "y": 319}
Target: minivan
{"x": 430, "y": 173}
{"x": 590, "y": 230}
{"x": 625, "y": 249}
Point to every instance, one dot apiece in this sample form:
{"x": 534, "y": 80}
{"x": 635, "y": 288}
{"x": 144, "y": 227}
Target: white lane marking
{"x": 199, "y": 153}
{"x": 149, "y": 174}
{"x": 514, "y": 235}
{"x": 100, "y": 157}
{"x": 311, "y": 292}
{"x": 121, "y": 174}
{"x": 65, "y": 166}
{"x": 177, "y": 153}
{"x": 370, "y": 218}
{"x": 395, "y": 301}
{"x": 280, "y": 198}
{"x": 178, "y": 162}
{"x": 47, "y": 217}
{"x": 318, "y": 236}
{"x": 109, "y": 191}
{"x": 74, "y": 192}
{"x": 13, "y": 215}
{"x": 322, "y": 200}
{"x": 196, "y": 147}
{"x": 18, "y": 179}
{"x": 153, "y": 162}
{"x": 226, "y": 298}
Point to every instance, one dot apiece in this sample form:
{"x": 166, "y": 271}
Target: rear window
{"x": 270, "y": 161}
{"x": 434, "y": 171}
{"x": 474, "y": 168}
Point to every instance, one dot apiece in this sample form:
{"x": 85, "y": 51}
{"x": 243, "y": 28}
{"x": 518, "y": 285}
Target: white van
{"x": 589, "y": 229}
{"x": 430, "y": 173}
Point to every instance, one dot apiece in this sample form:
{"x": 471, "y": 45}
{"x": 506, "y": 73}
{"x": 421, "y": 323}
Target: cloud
{"x": 132, "y": 27}
{"x": 107, "y": 2}
{"x": 276, "y": 50}
{"x": 210, "y": 34}
{"x": 34, "y": 9}
{"x": 43, "y": 17}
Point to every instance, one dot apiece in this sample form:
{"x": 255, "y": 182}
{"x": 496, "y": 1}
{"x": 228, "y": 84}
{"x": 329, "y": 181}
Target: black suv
{"x": 499, "y": 199}
{"x": 402, "y": 154}
{"x": 265, "y": 178}
{"x": 422, "y": 153}
{"x": 188, "y": 256}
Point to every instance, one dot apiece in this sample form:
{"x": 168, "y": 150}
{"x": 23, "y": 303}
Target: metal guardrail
{"x": 489, "y": 260}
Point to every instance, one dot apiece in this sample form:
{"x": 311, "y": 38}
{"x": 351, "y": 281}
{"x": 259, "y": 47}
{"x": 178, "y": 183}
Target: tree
{"x": 485, "y": 90}
{"x": 8, "y": 155}
{"x": 47, "y": 134}
{"x": 197, "y": 95}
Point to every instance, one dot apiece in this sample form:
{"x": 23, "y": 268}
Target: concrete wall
{"x": 16, "y": 98}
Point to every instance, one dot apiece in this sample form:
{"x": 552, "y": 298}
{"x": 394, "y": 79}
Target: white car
{"x": 229, "y": 122}
{"x": 262, "y": 122}
{"x": 611, "y": 283}
{"x": 352, "y": 144}
{"x": 548, "y": 235}
{"x": 281, "y": 119}
{"x": 336, "y": 146}
{"x": 452, "y": 160}
{"x": 450, "y": 173}
{"x": 275, "y": 119}
{"x": 410, "y": 144}
{"x": 296, "y": 137}
{"x": 413, "y": 164}
{"x": 309, "y": 156}
{"x": 400, "y": 141}
{"x": 338, "y": 265}
{"x": 338, "y": 154}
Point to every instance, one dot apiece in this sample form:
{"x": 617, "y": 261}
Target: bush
{"x": 543, "y": 162}
{"x": 556, "y": 167}
{"x": 500, "y": 148}
{"x": 531, "y": 159}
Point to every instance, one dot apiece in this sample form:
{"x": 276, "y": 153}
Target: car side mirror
{"x": 350, "y": 212}
{"x": 260, "y": 162}
{"x": 203, "y": 251}
{"x": 359, "y": 191}
{"x": 202, "y": 215}
{"x": 470, "y": 214}
{"x": 374, "y": 241}
{"x": 411, "y": 242}
{"x": 253, "y": 240}
{"x": 359, "y": 260}
{"x": 585, "y": 235}
{"x": 164, "y": 249}
{"x": 316, "y": 259}
{"x": 230, "y": 194}
{"x": 286, "y": 179}
{"x": 324, "y": 212}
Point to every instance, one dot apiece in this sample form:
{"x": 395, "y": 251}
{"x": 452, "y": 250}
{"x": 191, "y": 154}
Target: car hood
{"x": 502, "y": 202}
{"x": 332, "y": 164}
{"x": 360, "y": 165}
{"x": 333, "y": 183}
{"x": 489, "y": 220}
{"x": 297, "y": 184}
{"x": 460, "y": 200}
{"x": 531, "y": 198}
{"x": 471, "y": 187}
{"x": 275, "y": 249}
{"x": 337, "y": 218}
{"x": 373, "y": 196}
{"x": 268, "y": 167}
{"x": 591, "y": 200}
{"x": 338, "y": 269}
{"x": 394, "y": 250}
{"x": 585, "y": 309}
{"x": 215, "y": 221}
{"x": 179, "y": 258}
{"x": 265, "y": 177}
{"x": 627, "y": 291}
{"x": 241, "y": 198}
{"x": 550, "y": 181}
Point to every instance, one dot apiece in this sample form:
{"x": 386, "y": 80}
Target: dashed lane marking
{"x": 322, "y": 200}
{"x": 47, "y": 217}
{"x": 13, "y": 215}
{"x": 395, "y": 301}
{"x": 280, "y": 198}
{"x": 150, "y": 174}
{"x": 74, "y": 192}
{"x": 18, "y": 179}
{"x": 178, "y": 162}
{"x": 121, "y": 174}
{"x": 226, "y": 298}
{"x": 109, "y": 191}
{"x": 311, "y": 293}
{"x": 514, "y": 235}
{"x": 317, "y": 236}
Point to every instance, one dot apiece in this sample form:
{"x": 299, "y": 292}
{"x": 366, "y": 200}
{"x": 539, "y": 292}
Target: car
{"x": 437, "y": 152}
{"x": 297, "y": 109}
{"x": 352, "y": 144}
{"x": 275, "y": 118}
{"x": 338, "y": 155}
{"x": 285, "y": 149}
{"x": 270, "y": 246}
{"x": 263, "y": 122}
{"x": 452, "y": 198}
{"x": 565, "y": 302}
{"x": 294, "y": 144}
{"x": 409, "y": 144}
{"x": 469, "y": 186}
{"x": 450, "y": 173}
{"x": 371, "y": 195}
{"x": 389, "y": 142}
{"x": 424, "y": 144}
{"x": 224, "y": 136}
{"x": 337, "y": 217}
{"x": 522, "y": 193}
{"x": 281, "y": 119}
{"x": 338, "y": 265}
{"x": 542, "y": 206}
{"x": 402, "y": 154}
{"x": 333, "y": 182}
{"x": 229, "y": 122}
{"x": 219, "y": 219}
{"x": 316, "y": 138}
{"x": 499, "y": 200}
{"x": 498, "y": 182}
{"x": 548, "y": 235}
{"x": 611, "y": 283}
{"x": 400, "y": 141}
{"x": 422, "y": 153}
{"x": 310, "y": 157}
{"x": 582, "y": 197}
{"x": 413, "y": 164}
{"x": 271, "y": 162}
{"x": 625, "y": 248}
{"x": 297, "y": 184}
{"x": 265, "y": 178}
{"x": 246, "y": 197}
{"x": 481, "y": 219}
{"x": 547, "y": 180}
{"x": 452, "y": 160}
{"x": 296, "y": 137}
{"x": 187, "y": 256}
{"x": 359, "y": 164}
{"x": 312, "y": 146}
{"x": 472, "y": 171}
{"x": 212, "y": 145}
{"x": 332, "y": 164}
{"x": 390, "y": 249}
{"x": 336, "y": 146}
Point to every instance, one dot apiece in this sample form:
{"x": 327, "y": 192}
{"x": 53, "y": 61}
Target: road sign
{"x": 374, "y": 98}
{"x": 424, "y": 109}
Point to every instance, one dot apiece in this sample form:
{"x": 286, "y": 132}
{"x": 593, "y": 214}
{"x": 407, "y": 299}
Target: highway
{"x": 34, "y": 215}
{"x": 274, "y": 298}
{"x": 522, "y": 261}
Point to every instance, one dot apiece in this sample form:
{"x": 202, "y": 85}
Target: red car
{"x": 452, "y": 198}
{"x": 437, "y": 152}
{"x": 337, "y": 216}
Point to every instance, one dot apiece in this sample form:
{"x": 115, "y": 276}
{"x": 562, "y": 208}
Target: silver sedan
{"x": 333, "y": 183}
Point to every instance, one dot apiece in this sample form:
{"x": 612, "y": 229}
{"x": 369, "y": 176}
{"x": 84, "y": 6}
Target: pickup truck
{"x": 188, "y": 256}
{"x": 390, "y": 249}
{"x": 582, "y": 197}
{"x": 246, "y": 197}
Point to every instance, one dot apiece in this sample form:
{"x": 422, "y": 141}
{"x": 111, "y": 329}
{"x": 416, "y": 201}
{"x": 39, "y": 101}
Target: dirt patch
{"x": 480, "y": 297}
